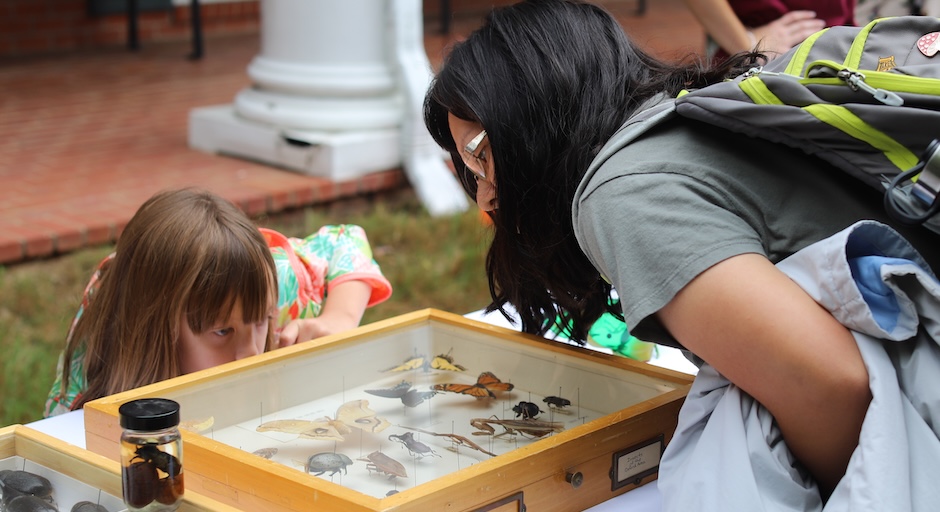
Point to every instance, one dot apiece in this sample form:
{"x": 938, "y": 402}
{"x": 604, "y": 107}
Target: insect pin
{"x": 415, "y": 448}
{"x": 526, "y": 409}
{"x": 381, "y": 463}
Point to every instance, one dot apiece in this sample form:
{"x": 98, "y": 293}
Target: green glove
{"x": 611, "y": 333}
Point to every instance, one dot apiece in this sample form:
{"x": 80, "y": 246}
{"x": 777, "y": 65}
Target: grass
{"x": 431, "y": 262}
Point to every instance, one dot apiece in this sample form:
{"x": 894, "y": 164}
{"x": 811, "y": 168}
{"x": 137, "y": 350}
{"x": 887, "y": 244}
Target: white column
{"x": 324, "y": 65}
{"x": 336, "y": 92}
{"x": 434, "y": 182}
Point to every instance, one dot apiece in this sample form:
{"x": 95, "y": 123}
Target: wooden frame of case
{"x": 569, "y": 470}
{"x": 81, "y": 465}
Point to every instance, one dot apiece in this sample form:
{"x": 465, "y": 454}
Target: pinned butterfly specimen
{"x": 439, "y": 362}
{"x": 486, "y": 385}
{"x": 409, "y": 397}
{"x": 351, "y": 414}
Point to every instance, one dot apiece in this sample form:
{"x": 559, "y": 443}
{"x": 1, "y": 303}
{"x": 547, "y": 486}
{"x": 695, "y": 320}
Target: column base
{"x": 337, "y": 156}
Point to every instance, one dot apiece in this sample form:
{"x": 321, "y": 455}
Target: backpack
{"x": 865, "y": 99}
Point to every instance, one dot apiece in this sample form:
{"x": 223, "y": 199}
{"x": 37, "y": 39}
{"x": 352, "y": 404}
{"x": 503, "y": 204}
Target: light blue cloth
{"x": 727, "y": 453}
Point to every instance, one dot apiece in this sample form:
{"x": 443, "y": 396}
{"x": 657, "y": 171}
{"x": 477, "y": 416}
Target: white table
{"x": 70, "y": 428}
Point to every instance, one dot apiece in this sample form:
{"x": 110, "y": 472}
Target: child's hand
{"x": 342, "y": 311}
{"x": 310, "y": 328}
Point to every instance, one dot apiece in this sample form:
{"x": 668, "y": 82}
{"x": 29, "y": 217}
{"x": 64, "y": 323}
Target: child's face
{"x": 226, "y": 341}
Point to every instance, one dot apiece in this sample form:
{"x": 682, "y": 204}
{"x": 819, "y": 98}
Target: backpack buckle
{"x": 928, "y": 183}
{"x": 911, "y": 196}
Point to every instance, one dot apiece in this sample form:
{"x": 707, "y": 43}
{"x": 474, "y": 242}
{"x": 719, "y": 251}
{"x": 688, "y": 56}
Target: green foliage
{"x": 37, "y": 303}
{"x": 431, "y": 262}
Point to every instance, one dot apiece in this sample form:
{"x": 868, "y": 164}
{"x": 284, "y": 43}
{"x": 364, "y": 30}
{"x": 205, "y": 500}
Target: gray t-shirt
{"x": 687, "y": 195}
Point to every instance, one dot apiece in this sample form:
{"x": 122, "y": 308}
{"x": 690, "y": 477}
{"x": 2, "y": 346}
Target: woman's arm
{"x": 767, "y": 336}
{"x": 774, "y": 38}
{"x": 342, "y": 310}
{"x": 722, "y": 24}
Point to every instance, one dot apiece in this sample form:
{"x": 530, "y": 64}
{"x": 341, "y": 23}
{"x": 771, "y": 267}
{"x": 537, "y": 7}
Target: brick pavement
{"x": 86, "y": 137}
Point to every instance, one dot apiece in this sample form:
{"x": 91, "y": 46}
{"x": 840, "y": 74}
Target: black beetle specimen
{"x": 158, "y": 458}
{"x": 527, "y": 410}
{"x": 327, "y": 461}
{"x": 16, "y": 483}
{"x": 142, "y": 481}
{"x": 556, "y": 401}
{"x": 87, "y": 506}
{"x": 415, "y": 447}
{"x": 29, "y": 503}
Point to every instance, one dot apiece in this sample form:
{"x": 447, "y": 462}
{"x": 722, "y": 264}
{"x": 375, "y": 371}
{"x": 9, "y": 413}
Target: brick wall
{"x": 32, "y": 27}
{"x": 35, "y": 27}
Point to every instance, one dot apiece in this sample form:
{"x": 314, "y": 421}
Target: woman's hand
{"x": 787, "y": 31}
{"x": 342, "y": 311}
{"x": 723, "y": 25}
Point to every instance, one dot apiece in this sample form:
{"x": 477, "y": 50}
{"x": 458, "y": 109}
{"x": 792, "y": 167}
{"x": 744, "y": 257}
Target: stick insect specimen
{"x": 527, "y": 427}
{"x": 456, "y": 439}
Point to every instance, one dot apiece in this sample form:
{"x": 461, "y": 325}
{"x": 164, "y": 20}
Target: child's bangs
{"x": 241, "y": 269}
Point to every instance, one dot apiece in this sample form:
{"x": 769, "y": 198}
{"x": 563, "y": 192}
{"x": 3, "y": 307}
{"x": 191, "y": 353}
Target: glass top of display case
{"x": 389, "y": 412}
{"x": 413, "y": 407}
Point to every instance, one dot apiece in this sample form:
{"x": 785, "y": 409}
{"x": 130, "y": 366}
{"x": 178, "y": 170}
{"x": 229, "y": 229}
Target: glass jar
{"x": 151, "y": 455}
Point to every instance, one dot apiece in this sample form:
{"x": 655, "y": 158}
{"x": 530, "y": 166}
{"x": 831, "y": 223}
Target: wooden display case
{"x": 76, "y": 474}
{"x": 392, "y": 409}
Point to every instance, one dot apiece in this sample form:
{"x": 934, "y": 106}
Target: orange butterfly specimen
{"x": 351, "y": 414}
{"x": 485, "y": 386}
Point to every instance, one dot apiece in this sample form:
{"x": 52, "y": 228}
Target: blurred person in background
{"x": 770, "y": 26}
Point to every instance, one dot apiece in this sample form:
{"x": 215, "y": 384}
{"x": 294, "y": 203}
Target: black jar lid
{"x": 150, "y": 414}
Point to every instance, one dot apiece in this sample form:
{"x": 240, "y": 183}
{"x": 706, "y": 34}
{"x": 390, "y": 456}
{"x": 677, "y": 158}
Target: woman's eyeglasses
{"x": 471, "y": 149}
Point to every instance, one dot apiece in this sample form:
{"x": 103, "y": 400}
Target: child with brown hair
{"x": 193, "y": 283}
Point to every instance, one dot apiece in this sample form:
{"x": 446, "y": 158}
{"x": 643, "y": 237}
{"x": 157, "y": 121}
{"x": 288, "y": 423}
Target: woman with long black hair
{"x": 686, "y": 223}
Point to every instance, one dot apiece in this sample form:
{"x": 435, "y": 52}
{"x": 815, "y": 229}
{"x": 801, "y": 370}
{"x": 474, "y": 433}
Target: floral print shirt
{"x": 306, "y": 270}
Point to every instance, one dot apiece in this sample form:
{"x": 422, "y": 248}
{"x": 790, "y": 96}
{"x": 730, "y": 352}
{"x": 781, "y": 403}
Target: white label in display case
{"x": 635, "y": 463}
